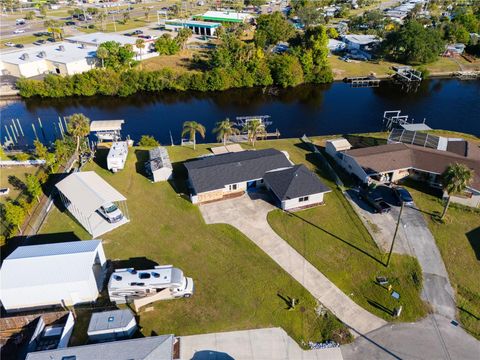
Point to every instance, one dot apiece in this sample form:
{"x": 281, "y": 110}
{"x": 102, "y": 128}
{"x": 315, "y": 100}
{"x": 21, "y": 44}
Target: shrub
{"x": 148, "y": 141}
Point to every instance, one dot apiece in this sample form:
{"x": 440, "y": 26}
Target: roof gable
{"x": 294, "y": 182}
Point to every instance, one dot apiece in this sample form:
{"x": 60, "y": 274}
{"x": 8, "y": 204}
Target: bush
{"x": 148, "y": 141}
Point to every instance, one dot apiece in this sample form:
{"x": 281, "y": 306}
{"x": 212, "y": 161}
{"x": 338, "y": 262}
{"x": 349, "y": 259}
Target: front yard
{"x": 237, "y": 285}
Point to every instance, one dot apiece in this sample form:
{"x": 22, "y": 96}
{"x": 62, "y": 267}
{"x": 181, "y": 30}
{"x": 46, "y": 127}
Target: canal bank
{"x": 334, "y": 108}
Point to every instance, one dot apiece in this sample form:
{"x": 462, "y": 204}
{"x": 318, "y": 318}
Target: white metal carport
{"x": 83, "y": 193}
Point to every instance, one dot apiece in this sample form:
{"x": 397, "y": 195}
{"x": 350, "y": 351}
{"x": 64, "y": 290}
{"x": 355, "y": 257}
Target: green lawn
{"x": 14, "y": 178}
{"x": 459, "y": 242}
{"x": 118, "y": 26}
{"x": 237, "y": 285}
{"x": 334, "y": 240}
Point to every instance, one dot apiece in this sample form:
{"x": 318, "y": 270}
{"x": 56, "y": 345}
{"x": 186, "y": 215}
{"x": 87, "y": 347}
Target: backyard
{"x": 237, "y": 285}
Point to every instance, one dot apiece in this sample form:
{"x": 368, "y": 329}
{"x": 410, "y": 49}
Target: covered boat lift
{"x": 107, "y": 129}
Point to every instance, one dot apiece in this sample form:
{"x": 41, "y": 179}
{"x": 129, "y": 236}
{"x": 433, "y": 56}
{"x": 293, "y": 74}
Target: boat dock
{"x": 243, "y": 138}
{"x": 363, "y": 81}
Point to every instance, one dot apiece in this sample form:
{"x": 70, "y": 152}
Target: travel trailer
{"x": 161, "y": 283}
{"x": 117, "y": 156}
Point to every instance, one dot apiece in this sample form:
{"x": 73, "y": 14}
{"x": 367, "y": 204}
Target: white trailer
{"x": 142, "y": 287}
{"x": 117, "y": 156}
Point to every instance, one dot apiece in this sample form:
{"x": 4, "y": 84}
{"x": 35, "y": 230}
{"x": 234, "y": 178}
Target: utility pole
{"x": 395, "y": 234}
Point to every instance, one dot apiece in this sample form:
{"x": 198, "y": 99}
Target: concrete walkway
{"x": 260, "y": 344}
{"x": 250, "y": 217}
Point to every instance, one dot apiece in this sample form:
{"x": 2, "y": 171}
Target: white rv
{"x": 161, "y": 283}
{"x": 117, "y": 156}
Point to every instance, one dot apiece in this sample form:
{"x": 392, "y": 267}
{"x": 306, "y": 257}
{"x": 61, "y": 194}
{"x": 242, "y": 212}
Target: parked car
{"x": 39, "y": 42}
{"x": 377, "y": 202}
{"x": 20, "y": 46}
{"x": 403, "y": 196}
{"x": 4, "y": 191}
{"x": 20, "y": 22}
{"x": 19, "y": 31}
{"x": 9, "y": 44}
{"x": 70, "y": 23}
{"x": 111, "y": 212}
{"x": 137, "y": 32}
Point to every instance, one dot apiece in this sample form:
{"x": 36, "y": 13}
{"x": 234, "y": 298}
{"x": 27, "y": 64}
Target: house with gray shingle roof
{"x": 228, "y": 175}
{"x": 295, "y": 187}
{"x": 147, "y": 348}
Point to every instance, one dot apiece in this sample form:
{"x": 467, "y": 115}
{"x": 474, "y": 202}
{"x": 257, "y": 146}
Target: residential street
{"x": 250, "y": 217}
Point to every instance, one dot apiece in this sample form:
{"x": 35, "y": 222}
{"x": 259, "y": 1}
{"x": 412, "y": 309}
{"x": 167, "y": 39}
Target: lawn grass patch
{"x": 237, "y": 284}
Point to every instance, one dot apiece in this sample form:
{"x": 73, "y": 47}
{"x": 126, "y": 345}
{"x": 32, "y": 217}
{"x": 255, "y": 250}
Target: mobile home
{"x": 117, "y": 156}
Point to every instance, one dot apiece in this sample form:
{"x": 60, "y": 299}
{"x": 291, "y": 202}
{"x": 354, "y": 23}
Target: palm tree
{"x": 455, "y": 179}
{"x": 224, "y": 129}
{"x": 78, "y": 125}
{"x": 102, "y": 17}
{"x": 102, "y": 54}
{"x": 146, "y": 10}
{"x": 140, "y": 44}
{"x": 254, "y": 128}
{"x": 191, "y": 128}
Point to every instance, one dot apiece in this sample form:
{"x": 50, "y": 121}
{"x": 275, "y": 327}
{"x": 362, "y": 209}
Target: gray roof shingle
{"x": 148, "y": 348}
{"x": 214, "y": 172}
{"x": 294, "y": 182}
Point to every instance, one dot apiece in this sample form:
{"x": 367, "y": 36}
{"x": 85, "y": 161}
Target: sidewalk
{"x": 250, "y": 217}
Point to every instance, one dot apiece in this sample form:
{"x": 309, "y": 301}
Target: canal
{"x": 313, "y": 110}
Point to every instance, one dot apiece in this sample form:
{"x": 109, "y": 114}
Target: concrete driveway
{"x": 260, "y": 344}
{"x": 418, "y": 340}
{"x": 250, "y": 217}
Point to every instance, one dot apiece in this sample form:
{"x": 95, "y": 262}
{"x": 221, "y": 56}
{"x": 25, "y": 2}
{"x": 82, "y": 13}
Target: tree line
{"x": 233, "y": 64}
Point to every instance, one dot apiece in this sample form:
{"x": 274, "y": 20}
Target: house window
{"x": 232, "y": 187}
{"x": 303, "y": 199}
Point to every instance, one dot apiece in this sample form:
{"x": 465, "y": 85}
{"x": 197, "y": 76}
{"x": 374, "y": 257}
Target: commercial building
{"x": 198, "y": 27}
{"x": 62, "y": 58}
{"x": 95, "y": 39}
{"x": 61, "y": 274}
{"x": 224, "y": 17}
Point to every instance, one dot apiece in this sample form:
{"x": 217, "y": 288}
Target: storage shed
{"x": 159, "y": 166}
{"x": 83, "y": 193}
{"x": 39, "y": 276}
{"x": 111, "y": 325}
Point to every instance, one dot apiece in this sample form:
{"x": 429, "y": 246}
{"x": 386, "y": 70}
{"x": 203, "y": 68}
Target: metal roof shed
{"x": 57, "y": 274}
{"x": 83, "y": 193}
{"x": 112, "y": 325}
{"x": 159, "y": 165}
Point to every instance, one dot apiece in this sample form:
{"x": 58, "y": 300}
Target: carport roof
{"x": 294, "y": 182}
{"x": 88, "y": 191}
{"x": 215, "y": 172}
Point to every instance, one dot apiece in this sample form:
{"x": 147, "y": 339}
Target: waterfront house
{"x": 232, "y": 174}
{"x": 421, "y": 156}
{"x": 61, "y": 274}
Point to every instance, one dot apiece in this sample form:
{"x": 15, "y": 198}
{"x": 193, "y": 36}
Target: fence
{"x": 35, "y": 220}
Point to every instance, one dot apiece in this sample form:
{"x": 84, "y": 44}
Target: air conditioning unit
{"x": 61, "y": 48}
{"x": 24, "y": 56}
{"x": 42, "y": 54}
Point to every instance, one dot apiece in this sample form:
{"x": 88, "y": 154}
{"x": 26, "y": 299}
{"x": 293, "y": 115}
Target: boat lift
{"x": 242, "y": 121}
{"x": 393, "y": 119}
{"x": 107, "y": 130}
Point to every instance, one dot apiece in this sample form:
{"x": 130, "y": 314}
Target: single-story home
{"x": 163, "y": 347}
{"x": 418, "y": 155}
{"x": 295, "y": 187}
{"x": 228, "y": 175}
{"x": 336, "y": 45}
{"x": 60, "y": 274}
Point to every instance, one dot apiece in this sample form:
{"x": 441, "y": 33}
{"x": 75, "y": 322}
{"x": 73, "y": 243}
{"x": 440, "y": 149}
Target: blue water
{"x": 313, "y": 110}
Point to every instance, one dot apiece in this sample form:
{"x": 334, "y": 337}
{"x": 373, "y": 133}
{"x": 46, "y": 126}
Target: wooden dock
{"x": 363, "y": 81}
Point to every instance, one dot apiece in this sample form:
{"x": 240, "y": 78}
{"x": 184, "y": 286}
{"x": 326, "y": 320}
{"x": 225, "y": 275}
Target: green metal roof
{"x": 220, "y": 19}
